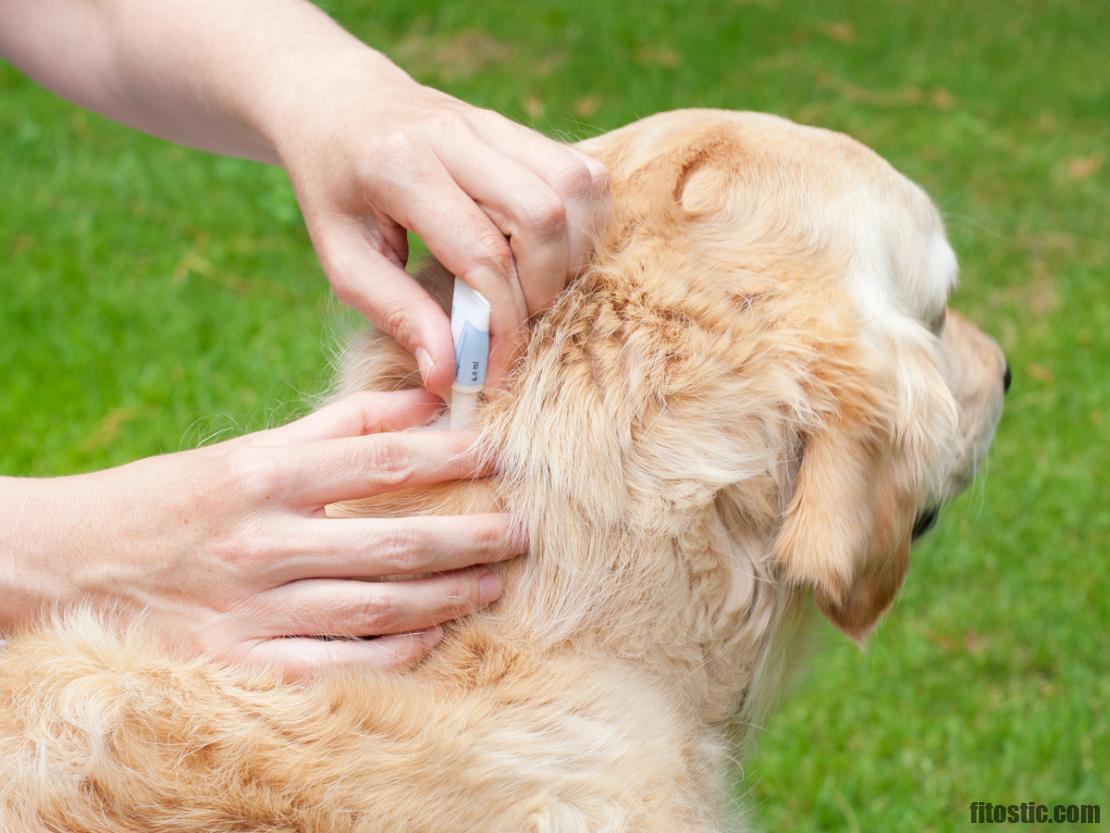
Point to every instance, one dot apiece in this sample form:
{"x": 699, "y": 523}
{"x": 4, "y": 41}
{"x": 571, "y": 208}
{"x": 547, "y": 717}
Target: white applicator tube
{"x": 470, "y": 332}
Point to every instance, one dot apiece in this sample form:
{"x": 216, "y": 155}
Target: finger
{"x": 374, "y": 547}
{"x": 336, "y": 607}
{"x": 468, "y": 244}
{"x": 597, "y": 214}
{"x": 599, "y": 174}
{"x": 581, "y": 181}
{"x": 372, "y": 283}
{"x": 316, "y": 474}
{"x": 526, "y": 210}
{"x": 303, "y": 658}
{"x": 365, "y": 412}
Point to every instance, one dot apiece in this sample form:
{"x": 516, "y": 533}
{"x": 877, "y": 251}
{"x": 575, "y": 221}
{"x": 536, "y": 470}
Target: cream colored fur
{"x": 743, "y": 400}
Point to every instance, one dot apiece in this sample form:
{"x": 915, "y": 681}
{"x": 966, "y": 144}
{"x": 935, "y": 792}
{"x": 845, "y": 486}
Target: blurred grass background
{"x": 153, "y": 297}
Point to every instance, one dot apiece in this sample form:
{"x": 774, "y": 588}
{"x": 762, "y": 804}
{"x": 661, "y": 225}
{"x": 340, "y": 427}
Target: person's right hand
{"x": 372, "y": 155}
{"x": 228, "y": 551}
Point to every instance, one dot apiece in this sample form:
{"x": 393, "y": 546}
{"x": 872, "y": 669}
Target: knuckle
{"x": 545, "y": 215}
{"x": 251, "y": 471}
{"x": 575, "y": 180}
{"x": 238, "y": 548}
{"x": 362, "y": 404}
{"x": 400, "y": 324}
{"x": 491, "y": 535}
{"x": 394, "y": 149}
{"x": 390, "y": 462}
{"x": 248, "y": 555}
{"x": 495, "y": 254}
{"x": 378, "y": 613}
{"x": 604, "y": 196}
{"x": 600, "y": 179}
{"x": 402, "y": 552}
{"x": 395, "y": 160}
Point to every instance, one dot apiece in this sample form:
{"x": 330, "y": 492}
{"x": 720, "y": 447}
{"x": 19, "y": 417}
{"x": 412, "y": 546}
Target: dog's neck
{"x": 648, "y": 600}
{"x": 650, "y": 515}
{"x": 690, "y": 609}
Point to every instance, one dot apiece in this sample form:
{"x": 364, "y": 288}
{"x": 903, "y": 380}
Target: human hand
{"x": 371, "y": 153}
{"x": 227, "y": 551}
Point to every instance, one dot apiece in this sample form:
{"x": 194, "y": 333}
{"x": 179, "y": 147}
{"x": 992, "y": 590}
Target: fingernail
{"x": 432, "y": 636}
{"x": 425, "y": 362}
{"x": 489, "y": 587}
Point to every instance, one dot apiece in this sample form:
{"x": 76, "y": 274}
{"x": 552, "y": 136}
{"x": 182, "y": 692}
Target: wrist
{"x": 309, "y": 94}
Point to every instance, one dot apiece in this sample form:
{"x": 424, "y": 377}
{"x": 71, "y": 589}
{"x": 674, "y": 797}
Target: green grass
{"x": 153, "y": 297}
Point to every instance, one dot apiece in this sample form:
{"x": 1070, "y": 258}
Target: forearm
{"x": 85, "y": 538}
{"x": 222, "y": 75}
{"x": 32, "y": 578}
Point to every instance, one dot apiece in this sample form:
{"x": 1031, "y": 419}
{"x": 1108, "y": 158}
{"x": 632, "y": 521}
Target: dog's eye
{"x": 925, "y": 521}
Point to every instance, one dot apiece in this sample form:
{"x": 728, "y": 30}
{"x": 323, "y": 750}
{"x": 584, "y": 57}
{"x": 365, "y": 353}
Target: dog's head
{"x": 840, "y": 268}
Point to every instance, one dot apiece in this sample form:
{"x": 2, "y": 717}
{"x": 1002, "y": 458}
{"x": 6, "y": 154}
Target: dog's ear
{"x": 847, "y": 528}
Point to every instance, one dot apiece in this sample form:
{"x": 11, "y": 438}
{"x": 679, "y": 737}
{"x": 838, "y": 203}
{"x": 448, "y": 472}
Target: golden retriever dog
{"x": 737, "y": 415}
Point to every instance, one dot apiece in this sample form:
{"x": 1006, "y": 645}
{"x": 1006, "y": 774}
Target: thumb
{"x": 366, "y": 412}
{"x": 365, "y": 279}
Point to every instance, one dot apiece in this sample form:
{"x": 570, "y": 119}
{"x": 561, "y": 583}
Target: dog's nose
{"x": 1007, "y": 378}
